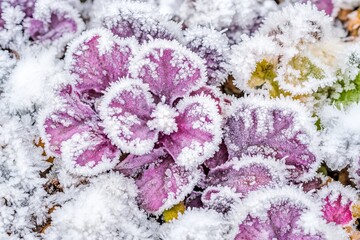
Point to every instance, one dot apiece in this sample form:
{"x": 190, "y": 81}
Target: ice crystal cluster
{"x": 179, "y": 119}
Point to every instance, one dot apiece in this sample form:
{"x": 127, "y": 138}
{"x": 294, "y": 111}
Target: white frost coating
{"x": 106, "y": 209}
{"x": 303, "y": 121}
{"x": 341, "y": 137}
{"x": 208, "y": 41}
{"x": 303, "y": 53}
{"x": 108, "y": 8}
{"x": 243, "y": 15}
{"x": 197, "y": 224}
{"x": 12, "y": 17}
{"x": 246, "y": 55}
{"x": 257, "y": 204}
{"x": 7, "y": 63}
{"x": 309, "y": 25}
{"x": 328, "y": 56}
{"x": 163, "y": 119}
{"x": 180, "y": 52}
{"x": 170, "y": 7}
{"x": 221, "y": 198}
{"x": 135, "y": 12}
{"x": 24, "y": 203}
{"x": 106, "y": 41}
{"x": 121, "y": 124}
{"x": 30, "y": 80}
{"x": 72, "y": 148}
{"x": 335, "y": 189}
{"x": 43, "y": 10}
{"x": 197, "y": 152}
{"x": 192, "y": 179}
{"x": 277, "y": 169}
{"x": 217, "y": 13}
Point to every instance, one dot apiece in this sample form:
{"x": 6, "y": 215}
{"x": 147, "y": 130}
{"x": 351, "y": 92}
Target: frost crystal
{"x": 248, "y": 174}
{"x": 106, "y": 209}
{"x": 139, "y": 20}
{"x": 337, "y": 201}
{"x": 197, "y": 224}
{"x": 281, "y": 129}
{"x": 41, "y": 21}
{"x": 52, "y": 21}
{"x": 213, "y": 47}
{"x": 340, "y": 138}
{"x": 283, "y": 213}
{"x": 235, "y": 17}
{"x": 161, "y": 182}
{"x": 23, "y": 204}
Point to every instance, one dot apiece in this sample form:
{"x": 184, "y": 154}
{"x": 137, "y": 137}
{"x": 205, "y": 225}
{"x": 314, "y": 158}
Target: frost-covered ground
{"x": 179, "y": 119}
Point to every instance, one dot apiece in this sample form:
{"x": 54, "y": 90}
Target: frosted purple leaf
{"x": 65, "y": 120}
{"x": 133, "y": 165}
{"x": 194, "y": 200}
{"x": 89, "y": 153}
{"x": 219, "y": 158}
{"x": 71, "y": 129}
{"x": 52, "y": 21}
{"x": 282, "y": 213}
{"x": 212, "y": 46}
{"x": 198, "y": 132}
{"x": 171, "y": 70}
{"x": 279, "y": 128}
{"x": 313, "y": 184}
{"x": 96, "y": 59}
{"x": 248, "y": 174}
{"x": 27, "y": 6}
{"x": 71, "y": 125}
{"x": 220, "y": 198}
{"x": 325, "y": 5}
{"x": 139, "y": 20}
{"x": 337, "y": 201}
{"x": 223, "y": 101}
{"x": 60, "y": 24}
{"x": 163, "y": 184}
{"x": 126, "y": 110}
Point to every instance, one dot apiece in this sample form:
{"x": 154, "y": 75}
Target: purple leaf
{"x": 281, "y": 129}
{"x": 97, "y": 59}
{"x": 140, "y": 21}
{"x": 337, "y": 201}
{"x": 248, "y": 174}
{"x": 125, "y": 110}
{"x": 164, "y": 184}
{"x": 212, "y": 46}
{"x": 171, "y": 70}
{"x": 282, "y": 213}
{"x": 52, "y": 21}
{"x": 199, "y": 131}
